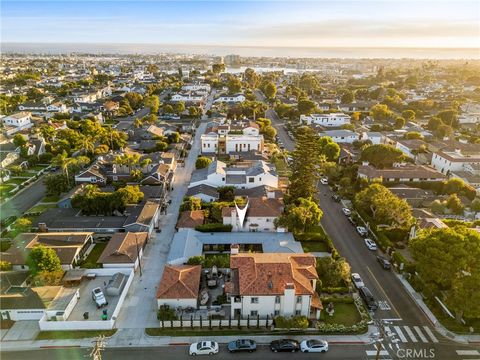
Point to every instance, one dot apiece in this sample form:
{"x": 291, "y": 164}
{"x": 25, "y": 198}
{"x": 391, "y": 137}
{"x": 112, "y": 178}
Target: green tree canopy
{"x": 382, "y": 156}
{"x": 300, "y": 215}
{"x": 270, "y": 90}
{"x": 306, "y": 106}
{"x": 202, "y": 162}
{"x": 42, "y": 258}
{"x": 329, "y": 148}
{"x": 381, "y": 113}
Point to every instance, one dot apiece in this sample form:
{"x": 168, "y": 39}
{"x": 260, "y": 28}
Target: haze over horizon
{"x": 421, "y": 25}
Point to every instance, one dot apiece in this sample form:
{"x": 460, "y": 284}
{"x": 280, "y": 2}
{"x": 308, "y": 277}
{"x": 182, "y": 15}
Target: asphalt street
{"x": 20, "y": 203}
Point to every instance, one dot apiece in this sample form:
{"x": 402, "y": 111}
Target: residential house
{"x": 179, "y": 286}
{"x": 341, "y": 136}
{"x": 124, "y": 250}
{"x": 258, "y": 215}
{"x": 232, "y": 138}
{"x": 327, "y": 120}
{"x": 70, "y": 247}
{"x": 400, "y": 173}
{"x": 236, "y": 98}
{"x": 17, "y": 122}
{"x": 190, "y": 219}
{"x": 242, "y": 175}
{"x": 273, "y": 285}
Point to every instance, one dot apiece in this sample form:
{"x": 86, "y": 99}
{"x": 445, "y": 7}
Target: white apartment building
{"x": 273, "y": 284}
{"x": 17, "y": 122}
{"x": 451, "y": 161}
{"x": 242, "y": 176}
{"x": 328, "y": 120}
{"x": 213, "y": 143}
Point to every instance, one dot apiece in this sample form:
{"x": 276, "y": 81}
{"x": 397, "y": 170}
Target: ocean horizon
{"x": 249, "y": 51}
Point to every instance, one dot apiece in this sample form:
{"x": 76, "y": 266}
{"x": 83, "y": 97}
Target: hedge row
{"x": 319, "y": 237}
{"x": 214, "y": 227}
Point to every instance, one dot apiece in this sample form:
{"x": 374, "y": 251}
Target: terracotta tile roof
{"x": 180, "y": 282}
{"x": 271, "y": 273}
{"x": 191, "y": 219}
{"x": 122, "y": 248}
{"x": 265, "y": 207}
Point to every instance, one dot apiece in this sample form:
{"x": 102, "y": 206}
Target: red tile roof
{"x": 180, "y": 282}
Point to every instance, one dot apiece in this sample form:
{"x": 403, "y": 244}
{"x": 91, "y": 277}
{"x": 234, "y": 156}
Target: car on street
{"x": 284, "y": 345}
{"x": 242, "y": 345}
{"x": 346, "y": 211}
{"x": 367, "y": 296}
{"x": 99, "y": 298}
{"x": 384, "y": 262}
{"x": 204, "y": 348}
{"x": 362, "y": 231}
{"x": 324, "y": 181}
{"x": 313, "y": 345}
{"x": 371, "y": 245}
{"x": 336, "y": 197}
{"x": 357, "y": 280}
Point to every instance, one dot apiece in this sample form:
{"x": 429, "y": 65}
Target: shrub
{"x": 396, "y": 234}
{"x": 214, "y": 227}
{"x": 5, "y": 266}
{"x": 335, "y": 290}
{"x": 196, "y": 260}
{"x": 383, "y": 241}
{"x": 294, "y": 322}
{"x": 398, "y": 258}
{"x": 166, "y": 313}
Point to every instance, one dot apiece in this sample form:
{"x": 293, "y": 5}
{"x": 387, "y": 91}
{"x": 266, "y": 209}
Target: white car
{"x": 324, "y": 181}
{"x": 362, "y": 230}
{"x": 313, "y": 345}
{"x": 371, "y": 245}
{"x": 99, "y": 298}
{"x": 357, "y": 280}
{"x": 204, "y": 348}
{"x": 346, "y": 211}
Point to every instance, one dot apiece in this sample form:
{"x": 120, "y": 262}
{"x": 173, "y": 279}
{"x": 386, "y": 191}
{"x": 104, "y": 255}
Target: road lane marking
{"x": 467, "y": 352}
{"x": 400, "y": 334}
{"x": 410, "y": 334}
{"x": 430, "y": 334}
{"x": 383, "y": 291}
{"x": 420, "y": 334}
{"x": 374, "y": 352}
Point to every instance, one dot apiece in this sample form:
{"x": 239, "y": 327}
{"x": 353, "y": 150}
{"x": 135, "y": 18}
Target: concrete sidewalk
{"x": 418, "y": 299}
{"x": 137, "y": 338}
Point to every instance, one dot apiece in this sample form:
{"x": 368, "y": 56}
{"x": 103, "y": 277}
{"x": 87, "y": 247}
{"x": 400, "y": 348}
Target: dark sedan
{"x": 284, "y": 345}
{"x": 384, "y": 262}
{"x": 242, "y": 345}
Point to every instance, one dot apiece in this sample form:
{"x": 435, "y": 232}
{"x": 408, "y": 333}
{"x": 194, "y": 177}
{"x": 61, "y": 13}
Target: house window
{"x": 299, "y": 299}
{"x": 277, "y": 299}
{"x": 251, "y": 180}
{"x": 254, "y": 313}
{"x": 276, "y": 313}
{"x": 254, "y": 300}
{"x": 298, "y": 312}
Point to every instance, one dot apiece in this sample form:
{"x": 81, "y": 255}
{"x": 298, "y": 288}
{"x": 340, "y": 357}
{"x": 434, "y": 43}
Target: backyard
{"x": 92, "y": 258}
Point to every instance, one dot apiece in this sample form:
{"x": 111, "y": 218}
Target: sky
{"x": 388, "y": 23}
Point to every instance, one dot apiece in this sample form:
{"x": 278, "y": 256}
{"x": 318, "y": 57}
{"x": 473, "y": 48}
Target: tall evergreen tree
{"x": 306, "y": 163}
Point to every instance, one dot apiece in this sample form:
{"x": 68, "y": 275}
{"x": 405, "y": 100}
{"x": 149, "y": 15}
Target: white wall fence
{"x": 223, "y": 323}
{"x": 47, "y": 325}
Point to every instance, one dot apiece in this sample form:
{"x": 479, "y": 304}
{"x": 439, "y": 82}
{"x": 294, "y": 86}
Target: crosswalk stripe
{"x": 374, "y": 352}
{"x": 400, "y": 334}
{"x": 410, "y": 334}
{"x": 420, "y": 334}
{"x": 468, "y": 352}
{"x": 430, "y": 334}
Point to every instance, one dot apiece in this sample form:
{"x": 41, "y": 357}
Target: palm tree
{"x": 64, "y": 163}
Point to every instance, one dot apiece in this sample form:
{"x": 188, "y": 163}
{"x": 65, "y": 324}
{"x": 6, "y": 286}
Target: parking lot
{"x": 86, "y": 303}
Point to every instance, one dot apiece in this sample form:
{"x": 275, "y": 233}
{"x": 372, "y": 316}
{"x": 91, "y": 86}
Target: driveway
{"x": 140, "y": 307}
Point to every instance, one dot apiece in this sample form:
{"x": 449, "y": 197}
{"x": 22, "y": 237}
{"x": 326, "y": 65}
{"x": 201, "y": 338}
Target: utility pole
{"x": 100, "y": 343}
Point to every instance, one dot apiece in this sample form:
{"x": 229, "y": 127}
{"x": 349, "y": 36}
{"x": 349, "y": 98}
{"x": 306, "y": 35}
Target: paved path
{"x": 140, "y": 306}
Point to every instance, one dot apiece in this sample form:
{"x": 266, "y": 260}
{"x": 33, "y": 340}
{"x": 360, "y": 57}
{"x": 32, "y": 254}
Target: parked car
{"x": 324, "y": 181}
{"x": 242, "y": 345}
{"x": 357, "y": 280}
{"x": 204, "y": 348}
{"x": 99, "y": 298}
{"x": 368, "y": 298}
{"x": 336, "y": 197}
{"x": 362, "y": 231}
{"x": 346, "y": 211}
{"x": 384, "y": 262}
{"x": 314, "y": 346}
{"x": 284, "y": 345}
{"x": 371, "y": 245}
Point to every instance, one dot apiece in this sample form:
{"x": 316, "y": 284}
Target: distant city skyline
{"x": 313, "y": 24}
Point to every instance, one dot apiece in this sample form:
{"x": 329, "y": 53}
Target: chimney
{"x": 234, "y": 249}
{"x": 458, "y": 151}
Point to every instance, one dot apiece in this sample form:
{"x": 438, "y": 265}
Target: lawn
{"x": 314, "y": 246}
{"x": 15, "y": 181}
{"x": 5, "y": 189}
{"x": 53, "y": 198}
{"x": 92, "y": 258}
{"x": 77, "y": 334}
{"x": 345, "y": 313}
{"x": 40, "y": 208}
{"x": 5, "y": 245}
{"x": 27, "y": 174}
{"x": 452, "y": 324}
{"x": 39, "y": 167}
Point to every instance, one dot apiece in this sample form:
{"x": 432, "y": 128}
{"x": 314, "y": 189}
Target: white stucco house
{"x": 272, "y": 285}
{"x": 237, "y": 98}
{"x": 244, "y": 175}
{"x": 179, "y": 286}
{"x": 341, "y": 136}
{"x": 17, "y": 122}
{"x": 327, "y": 120}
